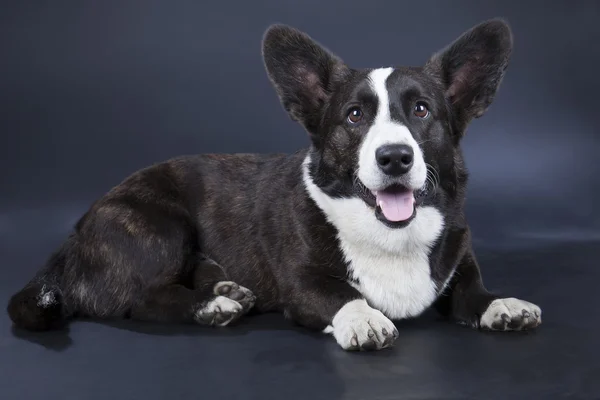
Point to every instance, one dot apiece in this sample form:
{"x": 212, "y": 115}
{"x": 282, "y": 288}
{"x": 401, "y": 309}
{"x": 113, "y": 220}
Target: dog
{"x": 364, "y": 226}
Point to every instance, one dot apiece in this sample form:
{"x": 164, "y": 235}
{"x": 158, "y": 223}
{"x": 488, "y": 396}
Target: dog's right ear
{"x": 304, "y": 73}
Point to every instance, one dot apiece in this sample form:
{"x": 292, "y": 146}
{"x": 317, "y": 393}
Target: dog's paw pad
{"x": 511, "y": 315}
{"x": 220, "y": 311}
{"x": 236, "y": 292}
{"x": 224, "y": 287}
{"x": 358, "y": 327}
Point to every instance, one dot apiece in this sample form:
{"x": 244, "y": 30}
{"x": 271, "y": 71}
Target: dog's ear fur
{"x": 472, "y": 67}
{"x": 303, "y": 73}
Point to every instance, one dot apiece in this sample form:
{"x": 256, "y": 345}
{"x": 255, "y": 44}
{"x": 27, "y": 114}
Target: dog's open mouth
{"x": 395, "y": 206}
{"x": 395, "y": 203}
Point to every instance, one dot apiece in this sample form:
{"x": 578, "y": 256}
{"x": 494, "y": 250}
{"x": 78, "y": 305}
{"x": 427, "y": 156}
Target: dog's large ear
{"x": 472, "y": 68}
{"x": 303, "y": 73}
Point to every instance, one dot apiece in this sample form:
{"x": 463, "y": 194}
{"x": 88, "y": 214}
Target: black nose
{"x": 394, "y": 159}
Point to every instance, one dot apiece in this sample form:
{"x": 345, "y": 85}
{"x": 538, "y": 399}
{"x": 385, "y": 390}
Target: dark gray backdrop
{"x": 92, "y": 91}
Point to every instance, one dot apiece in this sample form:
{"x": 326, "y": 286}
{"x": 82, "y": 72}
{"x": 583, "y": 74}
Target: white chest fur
{"x": 398, "y": 283}
{"x": 391, "y": 265}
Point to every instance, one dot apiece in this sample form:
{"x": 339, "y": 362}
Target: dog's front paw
{"x": 511, "y": 315}
{"x": 357, "y": 326}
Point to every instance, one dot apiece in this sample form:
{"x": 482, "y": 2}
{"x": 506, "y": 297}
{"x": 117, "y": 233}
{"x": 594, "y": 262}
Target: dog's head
{"x": 386, "y": 135}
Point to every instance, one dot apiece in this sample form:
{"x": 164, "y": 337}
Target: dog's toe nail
{"x": 369, "y": 345}
{"x": 388, "y": 341}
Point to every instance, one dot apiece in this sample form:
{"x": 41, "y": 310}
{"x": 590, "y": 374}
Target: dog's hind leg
{"x": 211, "y": 279}
{"x": 40, "y": 305}
{"x": 177, "y": 304}
{"x": 213, "y": 299}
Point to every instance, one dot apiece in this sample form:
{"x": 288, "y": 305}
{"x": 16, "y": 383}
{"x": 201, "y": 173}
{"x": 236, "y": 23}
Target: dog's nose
{"x": 394, "y": 159}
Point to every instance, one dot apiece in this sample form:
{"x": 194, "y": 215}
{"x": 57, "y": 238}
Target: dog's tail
{"x": 39, "y": 306}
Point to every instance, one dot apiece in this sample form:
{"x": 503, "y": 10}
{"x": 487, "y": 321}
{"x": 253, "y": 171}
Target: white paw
{"x": 511, "y": 315}
{"x": 219, "y": 312}
{"x": 357, "y": 326}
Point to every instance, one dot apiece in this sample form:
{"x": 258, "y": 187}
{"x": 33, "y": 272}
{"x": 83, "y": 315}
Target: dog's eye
{"x": 421, "y": 110}
{"x": 355, "y": 115}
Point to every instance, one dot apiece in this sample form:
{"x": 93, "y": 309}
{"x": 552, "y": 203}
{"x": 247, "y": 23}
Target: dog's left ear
{"x": 304, "y": 73}
{"x": 472, "y": 67}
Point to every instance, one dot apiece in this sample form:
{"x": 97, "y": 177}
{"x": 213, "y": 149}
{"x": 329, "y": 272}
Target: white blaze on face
{"x": 385, "y": 131}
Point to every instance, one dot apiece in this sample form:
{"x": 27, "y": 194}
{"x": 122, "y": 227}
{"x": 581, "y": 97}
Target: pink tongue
{"x": 396, "y": 206}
